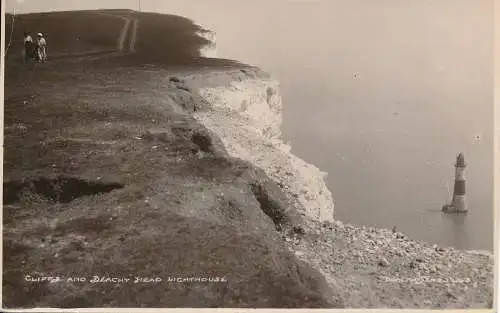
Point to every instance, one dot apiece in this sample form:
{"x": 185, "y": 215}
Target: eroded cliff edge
{"x": 246, "y": 112}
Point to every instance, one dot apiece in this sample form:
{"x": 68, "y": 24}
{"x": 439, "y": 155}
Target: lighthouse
{"x": 458, "y": 202}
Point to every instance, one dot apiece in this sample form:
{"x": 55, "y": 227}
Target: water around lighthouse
{"x": 390, "y": 111}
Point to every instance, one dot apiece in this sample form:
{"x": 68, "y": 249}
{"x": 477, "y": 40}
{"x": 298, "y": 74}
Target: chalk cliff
{"x": 246, "y": 113}
{"x": 210, "y": 49}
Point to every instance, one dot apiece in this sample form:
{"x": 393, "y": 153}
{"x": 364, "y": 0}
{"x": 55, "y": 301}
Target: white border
{"x": 179, "y": 310}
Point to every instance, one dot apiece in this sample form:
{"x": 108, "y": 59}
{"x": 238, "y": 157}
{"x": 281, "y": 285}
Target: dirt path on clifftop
{"x": 128, "y": 21}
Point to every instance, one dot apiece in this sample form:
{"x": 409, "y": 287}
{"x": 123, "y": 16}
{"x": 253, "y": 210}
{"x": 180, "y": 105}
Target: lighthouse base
{"x": 450, "y": 208}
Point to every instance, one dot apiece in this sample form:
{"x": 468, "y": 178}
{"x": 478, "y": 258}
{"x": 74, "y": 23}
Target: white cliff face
{"x": 210, "y": 50}
{"x": 246, "y": 113}
{"x": 257, "y": 101}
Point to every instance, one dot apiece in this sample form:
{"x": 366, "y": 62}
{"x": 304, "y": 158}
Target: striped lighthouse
{"x": 458, "y": 203}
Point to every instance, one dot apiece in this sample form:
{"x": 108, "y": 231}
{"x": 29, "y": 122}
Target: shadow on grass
{"x": 60, "y": 189}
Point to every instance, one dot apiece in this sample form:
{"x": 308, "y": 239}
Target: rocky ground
{"x": 374, "y": 268}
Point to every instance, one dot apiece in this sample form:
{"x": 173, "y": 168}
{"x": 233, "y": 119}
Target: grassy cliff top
{"x": 106, "y": 173}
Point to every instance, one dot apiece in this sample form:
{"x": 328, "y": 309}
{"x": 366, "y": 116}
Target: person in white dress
{"x": 42, "y": 48}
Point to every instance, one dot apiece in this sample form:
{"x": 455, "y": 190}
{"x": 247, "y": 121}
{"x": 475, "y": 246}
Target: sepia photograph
{"x": 279, "y": 154}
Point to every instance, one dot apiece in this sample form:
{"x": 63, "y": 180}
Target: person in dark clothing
{"x": 28, "y": 47}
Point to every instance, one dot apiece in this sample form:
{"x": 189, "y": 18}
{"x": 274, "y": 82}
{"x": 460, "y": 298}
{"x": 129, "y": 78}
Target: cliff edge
{"x": 115, "y": 195}
{"x": 142, "y": 176}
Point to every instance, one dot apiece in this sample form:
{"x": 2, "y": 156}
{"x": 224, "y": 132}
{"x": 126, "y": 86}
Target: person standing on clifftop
{"x": 42, "y": 48}
{"x": 28, "y": 47}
